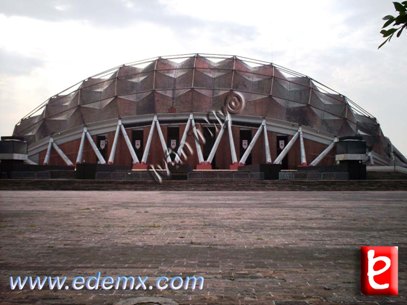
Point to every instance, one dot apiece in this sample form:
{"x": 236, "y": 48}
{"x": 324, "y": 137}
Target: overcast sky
{"x": 48, "y": 45}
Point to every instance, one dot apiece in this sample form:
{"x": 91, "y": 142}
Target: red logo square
{"x": 379, "y": 274}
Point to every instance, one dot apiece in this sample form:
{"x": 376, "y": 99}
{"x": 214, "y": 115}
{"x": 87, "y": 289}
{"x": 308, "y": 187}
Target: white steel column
{"x": 302, "y": 149}
{"x": 231, "y": 141}
{"x": 286, "y": 149}
{"x": 48, "y": 154}
{"x": 252, "y": 143}
{"x": 114, "y": 145}
{"x": 216, "y": 144}
{"x": 324, "y": 153}
{"x": 80, "y": 150}
{"x": 180, "y": 150}
{"x": 31, "y": 162}
{"x": 266, "y": 144}
{"x": 148, "y": 144}
{"x": 129, "y": 145}
{"x": 162, "y": 140}
{"x": 95, "y": 149}
{"x": 197, "y": 144}
{"x": 61, "y": 153}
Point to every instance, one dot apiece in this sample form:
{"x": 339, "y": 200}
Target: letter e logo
{"x": 379, "y": 274}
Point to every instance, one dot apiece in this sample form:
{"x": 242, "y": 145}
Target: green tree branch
{"x": 398, "y": 23}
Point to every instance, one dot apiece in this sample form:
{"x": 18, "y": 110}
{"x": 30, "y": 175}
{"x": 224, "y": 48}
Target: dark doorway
{"x": 245, "y": 139}
{"x": 209, "y": 134}
{"x": 138, "y": 143}
{"x": 281, "y": 143}
{"x": 101, "y": 143}
{"x": 173, "y": 140}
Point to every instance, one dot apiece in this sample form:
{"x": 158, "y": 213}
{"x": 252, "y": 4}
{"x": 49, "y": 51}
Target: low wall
{"x": 205, "y": 185}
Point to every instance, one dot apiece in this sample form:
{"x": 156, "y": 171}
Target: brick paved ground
{"x": 252, "y": 247}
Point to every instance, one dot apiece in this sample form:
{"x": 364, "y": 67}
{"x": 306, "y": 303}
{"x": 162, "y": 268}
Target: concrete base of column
{"x": 140, "y": 166}
{"x": 234, "y": 166}
{"x": 204, "y": 166}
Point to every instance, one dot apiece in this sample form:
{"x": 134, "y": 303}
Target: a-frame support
{"x": 52, "y": 144}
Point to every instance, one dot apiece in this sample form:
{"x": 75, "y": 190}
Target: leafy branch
{"x": 398, "y": 23}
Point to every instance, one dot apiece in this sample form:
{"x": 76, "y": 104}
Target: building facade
{"x": 208, "y": 111}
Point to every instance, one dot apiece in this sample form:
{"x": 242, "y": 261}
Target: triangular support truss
{"x": 208, "y": 163}
{"x": 120, "y": 128}
{"x": 262, "y": 127}
{"x": 52, "y": 144}
{"x": 86, "y": 134}
{"x": 197, "y": 136}
{"x": 324, "y": 153}
{"x": 289, "y": 145}
{"x": 154, "y": 124}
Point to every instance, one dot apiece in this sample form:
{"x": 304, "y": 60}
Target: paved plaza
{"x": 282, "y": 248}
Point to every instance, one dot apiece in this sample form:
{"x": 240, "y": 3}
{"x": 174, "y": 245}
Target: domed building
{"x": 208, "y": 111}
